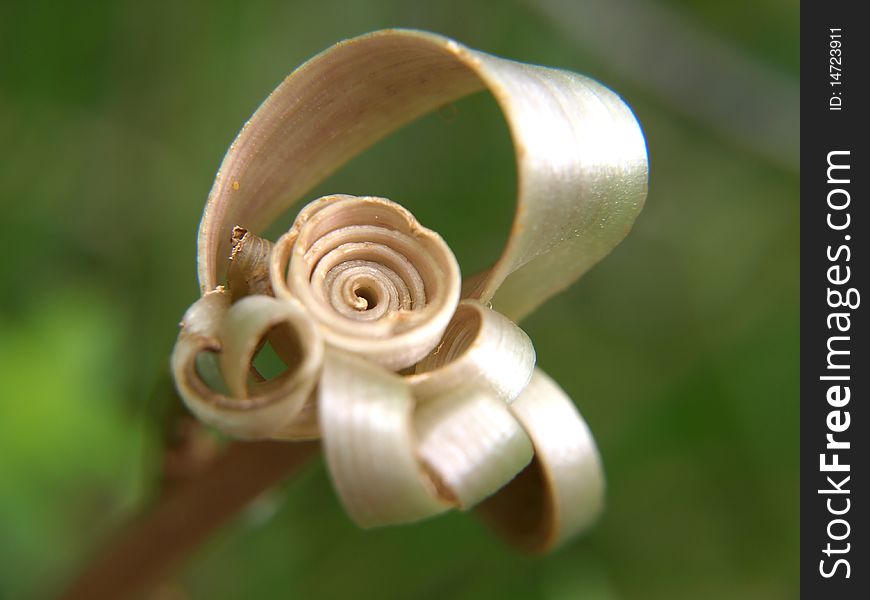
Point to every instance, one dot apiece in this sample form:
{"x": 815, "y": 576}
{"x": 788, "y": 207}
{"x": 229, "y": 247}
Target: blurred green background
{"x": 681, "y": 348}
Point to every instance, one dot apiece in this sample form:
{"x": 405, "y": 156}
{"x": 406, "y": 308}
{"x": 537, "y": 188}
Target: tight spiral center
{"x": 371, "y": 275}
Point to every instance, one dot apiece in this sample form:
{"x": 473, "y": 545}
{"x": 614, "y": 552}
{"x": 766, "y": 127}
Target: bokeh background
{"x": 681, "y": 348}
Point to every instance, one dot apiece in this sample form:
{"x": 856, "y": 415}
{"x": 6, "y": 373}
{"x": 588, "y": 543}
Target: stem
{"x": 184, "y": 516}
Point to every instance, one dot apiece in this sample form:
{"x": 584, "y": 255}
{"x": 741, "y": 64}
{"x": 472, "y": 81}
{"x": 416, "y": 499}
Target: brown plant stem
{"x": 184, "y": 516}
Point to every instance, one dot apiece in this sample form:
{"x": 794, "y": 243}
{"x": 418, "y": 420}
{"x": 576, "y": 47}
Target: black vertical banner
{"x": 835, "y": 225}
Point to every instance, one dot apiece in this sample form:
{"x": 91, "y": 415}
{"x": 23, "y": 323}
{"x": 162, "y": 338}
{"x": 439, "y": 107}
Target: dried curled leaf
{"x": 424, "y": 402}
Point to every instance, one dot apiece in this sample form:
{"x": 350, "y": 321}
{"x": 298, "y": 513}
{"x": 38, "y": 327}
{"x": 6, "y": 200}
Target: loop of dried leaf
{"x": 581, "y": 156}
{"x": 562, "y": 492}
{"x": 480, "y": 348}
{"x": 212, "y": 361}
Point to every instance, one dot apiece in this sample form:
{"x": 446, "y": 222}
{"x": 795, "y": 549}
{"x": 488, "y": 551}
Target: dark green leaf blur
{"x": 681, "y": 348}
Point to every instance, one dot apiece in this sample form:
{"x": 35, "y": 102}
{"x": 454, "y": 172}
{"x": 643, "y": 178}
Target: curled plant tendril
{"x": 422, "y": 388}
